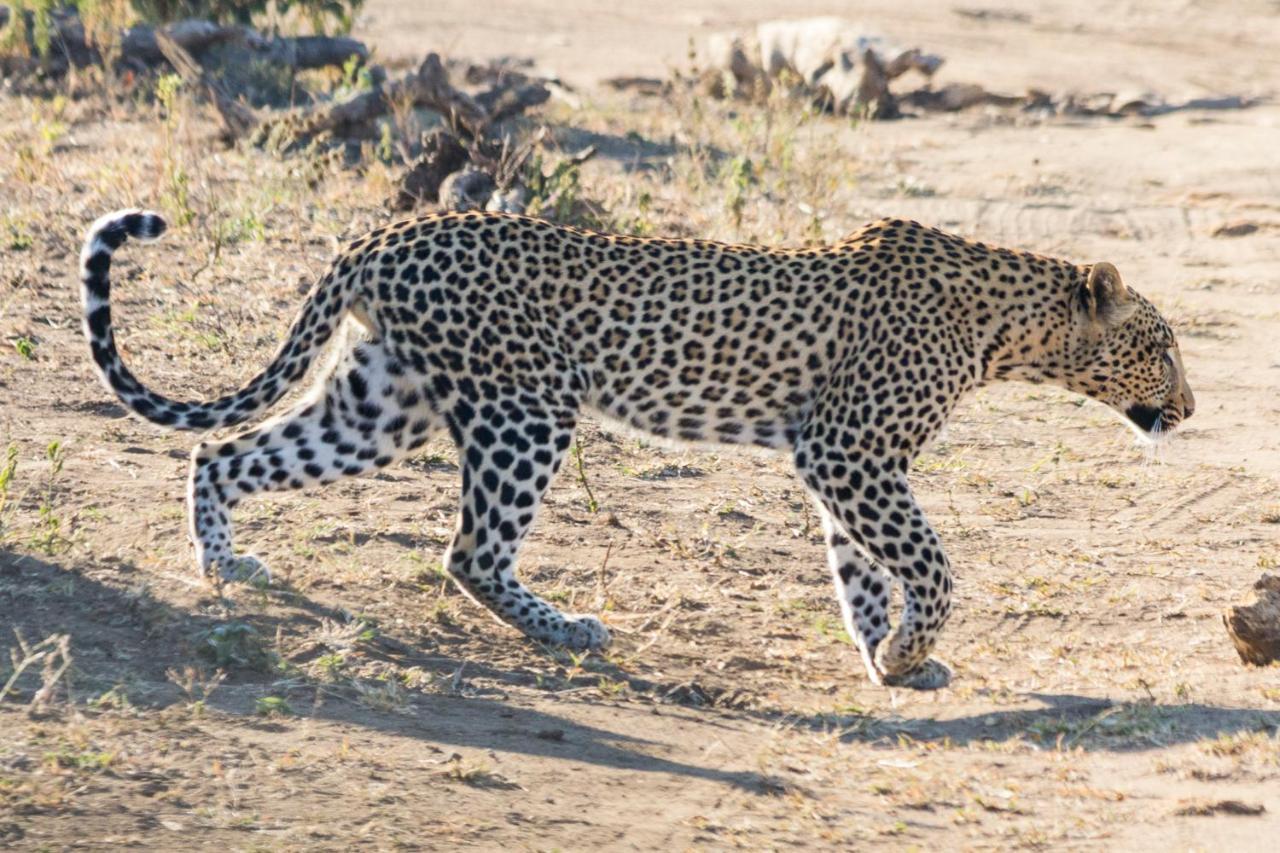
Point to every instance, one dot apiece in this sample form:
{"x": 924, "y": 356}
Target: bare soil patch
{"x": 1098, "y": 701}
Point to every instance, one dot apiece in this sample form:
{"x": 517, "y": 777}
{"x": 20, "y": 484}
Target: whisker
{"x": 1155, "y": 441}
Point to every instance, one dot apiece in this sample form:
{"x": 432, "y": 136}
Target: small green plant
{"x": 226, "y": 231}
{"x": 813, "y": 233}
{"x": 593, "y": 506}
{"x": 18, "y": 237}
{"x": 167, "y": 87}
{"x": 640, "y": 224}
{"x": 831, "y": 627}
{"x": 6, "y": 474}
{"x": 50, "y": 131}
{"x": 476, "y": 775}
{"x": 435, "y": 459}
{"x": 26, "y": 348}
{"x": 38, "y": 35}
{"x": 366, "y": 628}
{"x": 115, "y": 699}
{"x": 176, "y": 183}
{"x": 442, "y": 611}
{"x": 273, "y": 706}
{"x": 48, "y": 535}
{"x": 86, "y": 760}
{"x": 912, "y": 188}
{"x": 610, "y": 687}
{"x": 386, "y": 149}
{"x": 739, "y": 175}
{"x": 356, "y": 77}
{"x": 183, "y": 324}
{"x": 330, "y": 666}
{"x": 557, "y": 194}
{"x": 235, "y": 644}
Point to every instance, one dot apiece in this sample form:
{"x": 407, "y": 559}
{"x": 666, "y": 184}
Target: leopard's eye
{"x": 1168, "y": 358}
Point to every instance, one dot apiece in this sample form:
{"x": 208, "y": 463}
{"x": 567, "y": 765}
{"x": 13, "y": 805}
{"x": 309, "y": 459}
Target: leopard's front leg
{"x": 862, "y": 588}
{"x": 875, "y": 526}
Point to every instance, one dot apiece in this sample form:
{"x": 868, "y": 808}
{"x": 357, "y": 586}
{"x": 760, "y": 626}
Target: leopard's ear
{"x": 1105, "y": 298}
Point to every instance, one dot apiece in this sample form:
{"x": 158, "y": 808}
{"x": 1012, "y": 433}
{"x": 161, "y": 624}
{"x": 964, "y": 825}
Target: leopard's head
{"x": 1124, "y": 354}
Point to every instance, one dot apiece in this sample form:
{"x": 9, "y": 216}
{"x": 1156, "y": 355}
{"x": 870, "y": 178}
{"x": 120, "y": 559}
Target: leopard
{"x": 500, "y": 330}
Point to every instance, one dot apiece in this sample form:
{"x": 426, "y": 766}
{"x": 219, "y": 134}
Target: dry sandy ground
{"x": 1097, "y": 704}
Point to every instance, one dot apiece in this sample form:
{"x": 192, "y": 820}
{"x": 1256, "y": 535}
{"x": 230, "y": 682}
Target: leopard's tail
{"x": 311, "y": 330}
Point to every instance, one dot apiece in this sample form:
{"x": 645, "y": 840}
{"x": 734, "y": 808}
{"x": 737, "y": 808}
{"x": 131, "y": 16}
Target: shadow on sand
{"x": 122, "y": 634}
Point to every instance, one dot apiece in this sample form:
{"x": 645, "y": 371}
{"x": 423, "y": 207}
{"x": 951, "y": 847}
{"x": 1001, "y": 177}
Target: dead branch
{"x": 642, "y": 85}
{"x": 53, "y": 653}
{"x": 442, "y": 155}
{"x": 427, "y": 87}
{"x": 873, "y": 95}
{"x": 237, "y": 119}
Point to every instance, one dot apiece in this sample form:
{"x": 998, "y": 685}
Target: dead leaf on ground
{"x": 1209, "y": 808}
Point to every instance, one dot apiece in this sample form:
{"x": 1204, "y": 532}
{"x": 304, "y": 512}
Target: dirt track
{"x": 1097, "y": 698}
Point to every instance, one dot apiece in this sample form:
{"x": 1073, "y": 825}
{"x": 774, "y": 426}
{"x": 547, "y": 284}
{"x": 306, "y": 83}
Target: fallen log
{"x": 140, "y": 44}
{"x": 295, "y": 52}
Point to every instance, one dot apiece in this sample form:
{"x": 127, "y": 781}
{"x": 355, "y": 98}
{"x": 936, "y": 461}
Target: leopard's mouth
{"x": 1149, "y": 419}
{"x": 1154, "y": 423}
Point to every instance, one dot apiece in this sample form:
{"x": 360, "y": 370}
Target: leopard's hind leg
{"x": 510, "y": 448}
{"x": 364, "y": 415}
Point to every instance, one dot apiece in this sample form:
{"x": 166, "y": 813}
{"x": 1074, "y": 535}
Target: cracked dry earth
{"x": 1097, "y": 702}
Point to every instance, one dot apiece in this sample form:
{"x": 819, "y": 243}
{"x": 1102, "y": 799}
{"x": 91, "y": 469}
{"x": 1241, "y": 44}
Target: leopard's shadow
{"x": 122, "y": 635}
{"x": 1055, "y": 720}
{"x": 1070, "y": 721}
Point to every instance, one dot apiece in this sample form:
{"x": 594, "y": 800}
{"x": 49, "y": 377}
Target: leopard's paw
{"x": 246, "y": 569}
{"x": 580, "y": 632}
{"x": 933, "y": 674}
